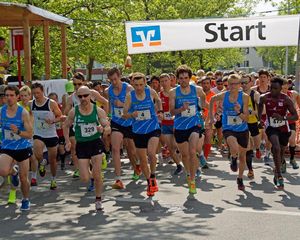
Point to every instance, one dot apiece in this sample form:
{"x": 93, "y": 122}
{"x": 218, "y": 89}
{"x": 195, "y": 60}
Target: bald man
{"x": 90, "y": 123}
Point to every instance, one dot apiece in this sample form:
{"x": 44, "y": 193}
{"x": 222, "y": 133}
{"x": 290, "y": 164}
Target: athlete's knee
{"x": 4, "y": 171}
{"x": 84, "y": 177}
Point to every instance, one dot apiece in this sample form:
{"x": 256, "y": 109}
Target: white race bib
{"x": 276, "y": 123}
{"x": 118, "y": 112}
{"x": 9, "y": 135}
{"x": 234, "y": 120}
{"x": 88, "y": 130}
{"x": 167, "y": 116}
{"x": 143, "y": 115}
{"x": 190, "y": 112}
{"x": 41, "y": 123}
{"x": 58, "y": 125}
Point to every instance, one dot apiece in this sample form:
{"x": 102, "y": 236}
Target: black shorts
{"x": 253, "y": 129}
{"x": 282, "y": 136}
{"x": 218, "y": 124}
{"x": 86, "y": 150}
{"x": 61, "y": 140}
{"x": 18, "y": 155}
{"x": 71, "y": 132}
{"x": 292, "y": 126}
{"x": 141, "y": 140}
{"x": 241, "y": 137}
{"x": 126, "y": 131}
{"x": 182, "y": 136}
{"x": 49, "y": 142}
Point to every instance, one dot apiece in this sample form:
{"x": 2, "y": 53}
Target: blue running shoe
{"x": 198, "y": 173}
{"x": 91, "y": 186}
{"x": 25, "y": 206}
{"x": 15, "y": 180}
{"x": 203, "y": 162}
{"x": 179, "y": 170}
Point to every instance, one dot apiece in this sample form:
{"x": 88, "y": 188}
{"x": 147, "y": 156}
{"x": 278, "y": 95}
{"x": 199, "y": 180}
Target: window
{"x": 246, "y": 63}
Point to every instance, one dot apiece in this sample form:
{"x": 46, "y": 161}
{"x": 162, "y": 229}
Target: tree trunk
{"x": 90, "y": 68}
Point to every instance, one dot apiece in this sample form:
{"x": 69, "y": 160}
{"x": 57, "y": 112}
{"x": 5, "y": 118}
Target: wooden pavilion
{"x": 26, "y": 16}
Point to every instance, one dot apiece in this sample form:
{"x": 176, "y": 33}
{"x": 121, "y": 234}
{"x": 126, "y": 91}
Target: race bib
{"x": 234, "y": 120}
{"x": 41, "y": 124}
{"x": 167, "y": 116}
{"x": 276, "y": 123}
{"x": 118, "y": 112}
{"x": 88, "y": 130}
{"x": 58, "y": 125}
{"x": 9, "y": 135}
{"x": 190, "y": 112}
{"x": 143, "y": 115}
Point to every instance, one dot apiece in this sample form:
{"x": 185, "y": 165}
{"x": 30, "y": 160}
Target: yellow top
{"x": 22, "y": 105}
{"x": 252, "y": 117}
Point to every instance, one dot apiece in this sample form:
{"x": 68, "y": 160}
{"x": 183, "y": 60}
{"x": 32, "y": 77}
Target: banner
{"x": 175, "y": 35}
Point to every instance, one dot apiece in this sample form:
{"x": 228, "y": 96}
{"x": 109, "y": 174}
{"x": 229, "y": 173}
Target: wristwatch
{"x": 18, "y": 132}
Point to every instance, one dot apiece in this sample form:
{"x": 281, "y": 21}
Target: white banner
{"x": 161, "y": 36}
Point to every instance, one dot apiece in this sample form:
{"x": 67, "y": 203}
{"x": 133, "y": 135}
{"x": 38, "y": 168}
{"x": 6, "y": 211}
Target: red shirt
{"x": 166, "y": 108}
{"x": 58, "y": 125}
{"x": 290, "y": 94}
{"x": 276, "y": 106}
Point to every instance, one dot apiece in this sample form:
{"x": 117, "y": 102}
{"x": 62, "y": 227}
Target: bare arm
{"x": 157, "y": 100}
{"x": 69, "y": 105}
{"x": 202, "y": 95}
{"x": 244, "y": 114}
{"x": 127, "y": 106}
{"x": 105, "y": 126}
{"x": 292, "y": 110}
{"x": 173, "y": 110}
{"x": 100, "y": 99}
{"x": 56, "y": 111}
{"x": 216, "y": 98}
{"x": 261, "y": 106}
{"x": 27, "y": 125}
{"x": 67, "y": 124}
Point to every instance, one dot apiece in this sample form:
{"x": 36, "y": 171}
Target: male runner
{"x": 45, "y": 113}
{"x": 277, "y": 107}
{"x": 16, "y": 129}
{"x": 89, "y": 122}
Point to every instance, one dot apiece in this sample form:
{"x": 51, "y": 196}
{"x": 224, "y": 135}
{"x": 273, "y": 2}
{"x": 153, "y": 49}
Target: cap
{"x": 69, "y": 87}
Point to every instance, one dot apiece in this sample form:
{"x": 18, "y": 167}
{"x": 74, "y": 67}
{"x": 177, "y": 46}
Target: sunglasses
{"x": 244, "y": 83}
{"x": 83, "y": 96}
{"x": 77, "y": 84}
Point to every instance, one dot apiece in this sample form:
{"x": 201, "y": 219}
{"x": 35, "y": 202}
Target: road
{"x": 217, "y": 211}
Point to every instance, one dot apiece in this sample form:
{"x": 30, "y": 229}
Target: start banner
{"x": 174, "y": 35}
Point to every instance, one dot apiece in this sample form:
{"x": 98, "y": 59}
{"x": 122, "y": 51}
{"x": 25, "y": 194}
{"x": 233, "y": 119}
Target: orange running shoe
{"x": 150, "y": 193}
{"x": 153, "y": 185}
{"x": 118, "y": 185}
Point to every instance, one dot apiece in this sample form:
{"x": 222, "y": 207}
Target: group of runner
{"x": 179, "y": 114}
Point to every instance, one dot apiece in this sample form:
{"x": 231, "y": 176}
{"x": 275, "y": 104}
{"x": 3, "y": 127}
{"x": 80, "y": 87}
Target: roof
{"x": 12, "y": 14}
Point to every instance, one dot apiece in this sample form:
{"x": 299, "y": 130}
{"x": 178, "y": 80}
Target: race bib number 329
{"x": 88, "y": 130}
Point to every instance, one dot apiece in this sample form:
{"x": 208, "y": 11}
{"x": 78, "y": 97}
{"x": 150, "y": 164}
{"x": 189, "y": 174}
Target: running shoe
{"x": 279, "y": 182}
{"x": 15, "y": 180}
{"x": 250, "y": 174}
{"x": 118, "y": 185}
{"x": 283, "y": 167}
{"x": 33, "y": 182}
{"x": 25, "y": 205}
{"x": 258, "y": 154}
{"x": 198, "y": 173}
{"x": 240, "y": 184}
{"x": 53, "y": 185}
{"x": 91, "y": 186}
{"x": 150, "y": 193}
{"x": 203, "y": 162}
{"x": 12, "y": 197}
{"x": 76, "y": 173}
{"x": 42, "y": 169}
{"x": 192, "y": 187}
{"x": 135, "y": 177}
{"x": 267, "y": 160}
{"x": 233, "y": 165}
{"x": 98, "y": 205}
{"x": 153, "y": 185}
{"x": 104, "y": 162}
{"x": 178, "y": 170}
{"x": 294, "y": 164}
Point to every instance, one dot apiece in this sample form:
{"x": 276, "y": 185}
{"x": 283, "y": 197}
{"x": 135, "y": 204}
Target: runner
{"x": 17, "y": 129}
{"x": 295, "y": 97}
{"x": 184, "y": 101}
{"x": 234, "y": 122}
{"x": 277, "y": 107}
{"x": 121, "y": 128}
{"x": 72, "y": 101}
{"x": 252, "y": 122}
{"x": 140, "y": 104}
{"x": 167, "y": 124}
{"x": 45, "y": 113}
{"x": 89, "y": 122}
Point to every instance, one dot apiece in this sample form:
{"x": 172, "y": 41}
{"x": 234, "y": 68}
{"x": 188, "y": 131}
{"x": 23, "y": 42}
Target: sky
{"x": 263, "y": 7}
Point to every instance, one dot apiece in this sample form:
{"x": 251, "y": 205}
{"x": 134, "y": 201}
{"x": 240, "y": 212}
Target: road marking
{"x": 274, "y": 212}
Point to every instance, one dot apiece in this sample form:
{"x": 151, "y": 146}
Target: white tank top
{"x": 75, "y": 100}
{"x": 40, "y": 113}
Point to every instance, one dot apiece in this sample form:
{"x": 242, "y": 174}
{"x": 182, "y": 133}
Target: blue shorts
{"x": 167, "y": 129}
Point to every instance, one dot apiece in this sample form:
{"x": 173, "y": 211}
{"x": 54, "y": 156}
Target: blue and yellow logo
{"x": 146, "y": 36}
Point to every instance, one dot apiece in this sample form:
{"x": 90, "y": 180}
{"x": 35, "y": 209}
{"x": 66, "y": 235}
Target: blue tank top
{"x": 190, "y": 117}
{"x": 11, "y": 140}
{"x": 117, "y": 112}
{"x": 230, "y": 120}
{"x": 146, "y": 121}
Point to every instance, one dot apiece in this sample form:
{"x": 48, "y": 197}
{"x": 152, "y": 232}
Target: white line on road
{"x": 274, "y": 212}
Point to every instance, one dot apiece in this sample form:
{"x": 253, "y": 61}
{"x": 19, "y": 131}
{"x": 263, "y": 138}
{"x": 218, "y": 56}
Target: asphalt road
{"x": 217, "y": 211}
